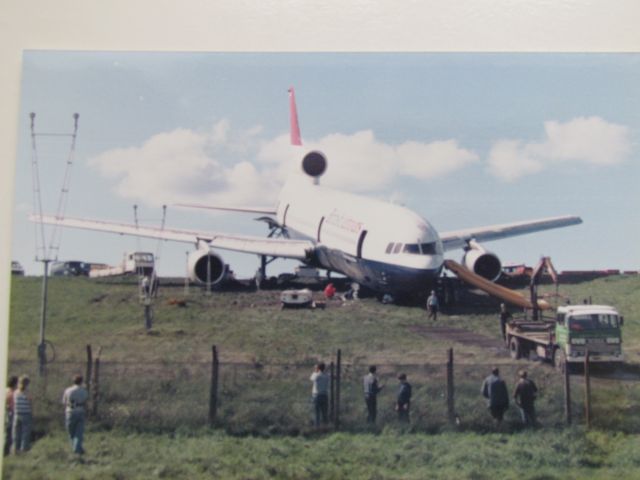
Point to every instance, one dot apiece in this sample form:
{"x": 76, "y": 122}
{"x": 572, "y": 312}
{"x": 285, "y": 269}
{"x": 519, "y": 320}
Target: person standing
{"x": 371, "y": 390}
{"x": 74, "y": 400}
{"x": 505, "y": 316}
{"x": 432, "y": 305}
{"x": 403, "y": 400}
{"x": 495, "y": 391}
{"x": 320, "y": 394}
{"x": 525, "y": 396}
{"x": 22, "y": 416}
{"x": 12, "y": 385}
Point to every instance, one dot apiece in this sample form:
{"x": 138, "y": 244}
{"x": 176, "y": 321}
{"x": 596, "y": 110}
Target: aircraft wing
{"x": 459, "y": 238}
{"x": 262, "y": 210}
{"x": 276, "y": 247}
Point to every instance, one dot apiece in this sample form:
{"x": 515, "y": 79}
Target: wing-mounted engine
{"x": 482, "y": 262}
{"x": 314, "y": 164}
{"x": 206, "y": 267}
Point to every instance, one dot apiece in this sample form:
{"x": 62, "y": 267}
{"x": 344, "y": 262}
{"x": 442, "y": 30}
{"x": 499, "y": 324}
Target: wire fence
{"x": 254, "y": 398}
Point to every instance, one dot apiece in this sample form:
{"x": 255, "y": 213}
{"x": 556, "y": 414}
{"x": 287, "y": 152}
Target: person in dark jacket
{"x": 495, "y": 391}
{"x": 403, "y": 400}
{"x": 505, "y": 316}
{"x": 525, "y": 396}
{"x": 371, "y": 390}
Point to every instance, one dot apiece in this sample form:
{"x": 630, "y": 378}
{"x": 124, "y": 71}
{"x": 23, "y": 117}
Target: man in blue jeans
{"x": 320, "y": 394}
{"x": 75, "y": 400}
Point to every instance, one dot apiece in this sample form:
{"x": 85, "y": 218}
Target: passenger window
{"x": 397, "y": 248}
{"x": 389, "y": 248}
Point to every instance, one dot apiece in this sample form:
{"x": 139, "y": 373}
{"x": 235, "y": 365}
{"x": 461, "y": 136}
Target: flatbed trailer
{"x": 526, "y": 336}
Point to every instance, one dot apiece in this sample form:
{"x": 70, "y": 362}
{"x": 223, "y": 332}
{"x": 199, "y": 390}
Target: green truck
{"x": 565, "y": 340}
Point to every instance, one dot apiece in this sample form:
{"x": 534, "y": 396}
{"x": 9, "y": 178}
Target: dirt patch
{"x": 459, "y": 335}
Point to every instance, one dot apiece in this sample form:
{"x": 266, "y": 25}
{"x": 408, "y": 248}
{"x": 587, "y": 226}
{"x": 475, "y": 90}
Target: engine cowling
{"x": 314, "y": 164}
{"x": 482, "y": 262}
{"x": 206, "y": 266}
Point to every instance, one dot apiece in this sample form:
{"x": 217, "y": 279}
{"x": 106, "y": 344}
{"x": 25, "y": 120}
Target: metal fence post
{"x": 332, "y": 392}
{"x": 338, "y": 380}
{"x": 87, "y": 377}
{"x": 587, "y": 390}
{"x": 96, "y": 386}
{"x": 567, "y": 394}
{"x": 213, "y": 392}
{"x": 450, "y": 388}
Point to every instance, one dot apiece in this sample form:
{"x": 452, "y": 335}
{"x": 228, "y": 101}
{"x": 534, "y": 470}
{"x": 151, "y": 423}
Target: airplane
{"x": 383, "y": 246}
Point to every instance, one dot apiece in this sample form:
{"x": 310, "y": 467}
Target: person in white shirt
{"x": 320, "y": 394}
{"x": 75, "y": 401}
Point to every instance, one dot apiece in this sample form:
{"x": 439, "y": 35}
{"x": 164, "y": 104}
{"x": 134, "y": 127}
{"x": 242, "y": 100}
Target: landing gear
{"x": 387, "y": 298}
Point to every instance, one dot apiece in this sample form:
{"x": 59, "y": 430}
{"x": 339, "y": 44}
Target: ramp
{"x": 498, "y": 291}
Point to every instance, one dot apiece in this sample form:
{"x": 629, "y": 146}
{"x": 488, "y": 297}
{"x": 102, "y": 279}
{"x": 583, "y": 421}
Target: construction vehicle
{"x": 565, "y": 339}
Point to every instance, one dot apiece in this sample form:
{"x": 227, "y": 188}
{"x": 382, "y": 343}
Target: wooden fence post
{"x": 96, "y": 386}
{"x": 567, "y": 393}
{"x": 451, "y": 411}
{"x": 587, "y": 390}
{"x": 213, "y": 392}
{"x": 332, "y": 392}
{"x": 338, "y": 379}
{"x": 87, "y": 377}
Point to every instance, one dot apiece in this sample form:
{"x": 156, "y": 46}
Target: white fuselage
{"x": 385, "y": 246}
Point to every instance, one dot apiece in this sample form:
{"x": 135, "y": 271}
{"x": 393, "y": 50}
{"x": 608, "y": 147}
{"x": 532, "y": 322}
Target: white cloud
{"x": 221, "y": 165}
{"x": 587, "y": 140}
{"x": 187, "y": 166}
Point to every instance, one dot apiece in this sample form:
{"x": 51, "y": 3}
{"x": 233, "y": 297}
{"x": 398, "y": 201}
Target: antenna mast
{"x": 44, "y": 253}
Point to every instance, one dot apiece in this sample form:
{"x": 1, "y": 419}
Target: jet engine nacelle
{"x": 314, "y": 164}
{"x": 206, "y": 266}
{"x": 481, "y": 262}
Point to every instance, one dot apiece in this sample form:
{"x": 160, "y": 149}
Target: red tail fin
{"x": 293, "y": 114}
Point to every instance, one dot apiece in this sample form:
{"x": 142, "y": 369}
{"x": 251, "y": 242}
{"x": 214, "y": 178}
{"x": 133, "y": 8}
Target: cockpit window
{"x": 397, "y": 248}
{"x": 420, "y": 248}
{"x": 428, "y": 248}
{"x": 389, "y": 248}
{"x": 411, "y": 248}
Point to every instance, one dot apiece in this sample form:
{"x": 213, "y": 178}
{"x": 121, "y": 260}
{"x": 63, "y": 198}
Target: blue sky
{"x": 463, "y": 139}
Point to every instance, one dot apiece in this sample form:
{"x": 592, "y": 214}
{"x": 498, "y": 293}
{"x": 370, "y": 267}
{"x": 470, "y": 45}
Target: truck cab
{"x": 588, "y": 327}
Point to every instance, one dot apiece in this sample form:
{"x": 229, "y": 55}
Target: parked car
{"x": 70, "y": 269}
{"x": 16, "y": 268}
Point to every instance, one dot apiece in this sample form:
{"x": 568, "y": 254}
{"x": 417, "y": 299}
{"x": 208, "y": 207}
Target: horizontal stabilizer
{"x": 261, "y": 210}
{"x": 459, "y": 238}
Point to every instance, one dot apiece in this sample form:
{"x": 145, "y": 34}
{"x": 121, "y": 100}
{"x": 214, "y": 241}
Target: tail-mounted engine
{"x": 481, "y": 262}
{"x": 314, "y": 164}
{"x": 206, "y": 267}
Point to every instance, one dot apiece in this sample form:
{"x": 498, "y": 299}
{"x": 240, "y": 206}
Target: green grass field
{"x": 154, "y": 389}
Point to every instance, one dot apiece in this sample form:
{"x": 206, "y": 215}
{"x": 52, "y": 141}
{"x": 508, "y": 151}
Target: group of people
{"x": 494, "y": 389}
{"x": 19, "y": 414}
{"x": 320, "y": 395}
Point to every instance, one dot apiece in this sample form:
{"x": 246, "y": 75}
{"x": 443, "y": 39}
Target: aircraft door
{"x": 363, "y": 234}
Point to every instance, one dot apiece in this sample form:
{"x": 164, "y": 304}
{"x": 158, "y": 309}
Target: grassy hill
{"x": 154, "y": 387}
